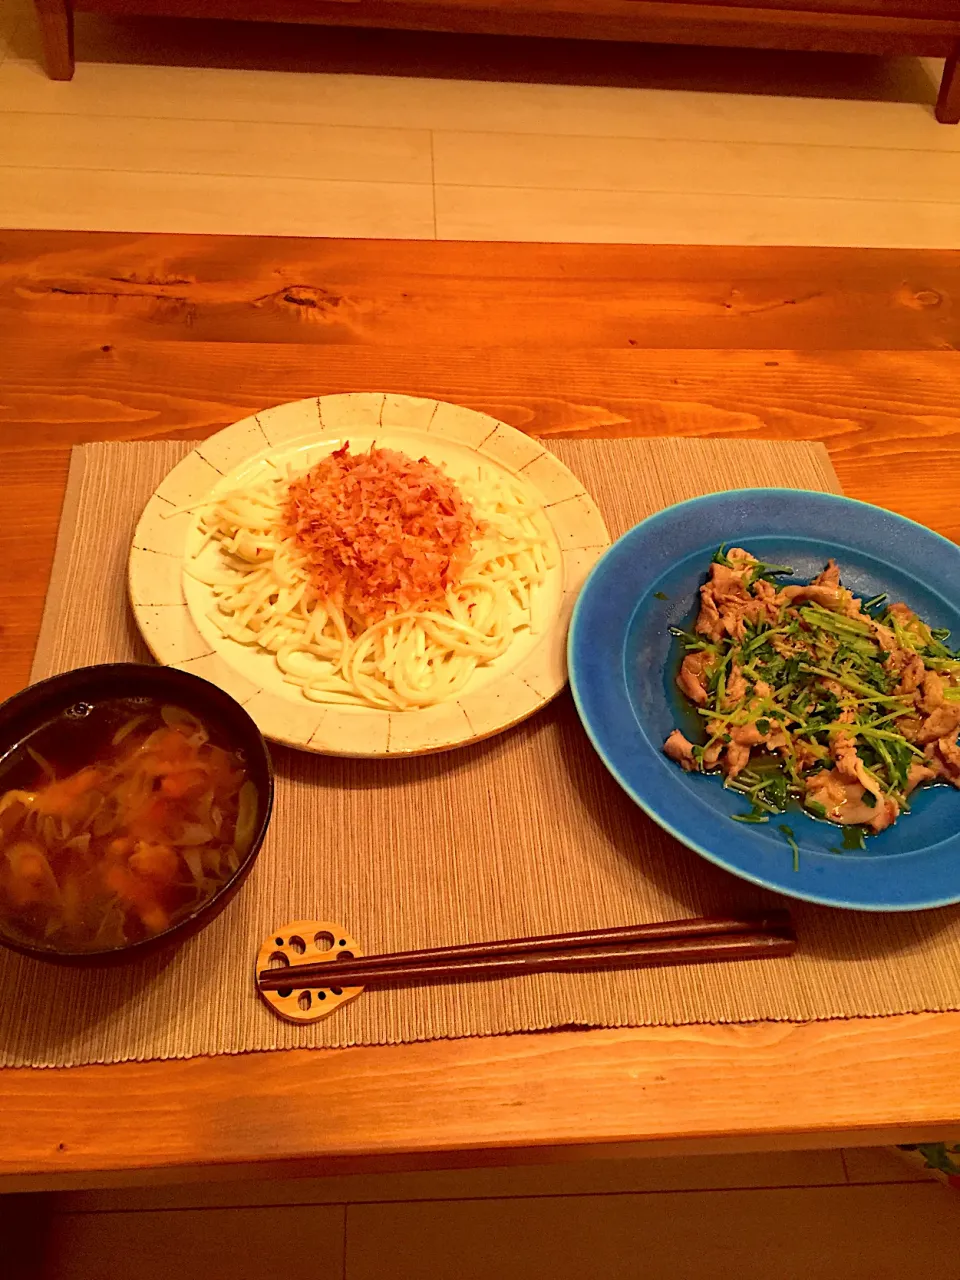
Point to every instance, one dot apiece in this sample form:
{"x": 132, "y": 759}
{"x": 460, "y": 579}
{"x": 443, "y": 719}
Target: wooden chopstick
{"x": 772, "y": 921}
{"x": 676, "y": 942}
{"x": 635, "y": 955}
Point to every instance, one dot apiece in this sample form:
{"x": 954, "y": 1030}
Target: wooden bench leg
{"x": 948, "y": 103}
{"x": 56, "y": 34}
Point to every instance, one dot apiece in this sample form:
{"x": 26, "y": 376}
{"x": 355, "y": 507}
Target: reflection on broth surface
{"x": 117, "y": 820}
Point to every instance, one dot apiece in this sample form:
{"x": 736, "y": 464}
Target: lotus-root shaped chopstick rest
{"x": 306, "y": 942}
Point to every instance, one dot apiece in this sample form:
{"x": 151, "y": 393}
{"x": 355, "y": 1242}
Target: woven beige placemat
{"x": 525, "y": 833}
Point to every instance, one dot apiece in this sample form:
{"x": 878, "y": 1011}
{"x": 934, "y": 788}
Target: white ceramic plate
{"x": 171, "y": 608}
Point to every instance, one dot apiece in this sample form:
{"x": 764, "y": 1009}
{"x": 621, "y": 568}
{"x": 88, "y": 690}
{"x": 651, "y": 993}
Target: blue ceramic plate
{"x": 623, "y": 662}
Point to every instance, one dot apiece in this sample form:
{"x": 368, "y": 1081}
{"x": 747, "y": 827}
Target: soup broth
{"x": 117, "y": 820}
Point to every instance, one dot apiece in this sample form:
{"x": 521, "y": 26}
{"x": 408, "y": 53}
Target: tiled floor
{"x": 222, "y": 127}
{"x": 185, "y": 126}
{"x": 852, "y": 1215}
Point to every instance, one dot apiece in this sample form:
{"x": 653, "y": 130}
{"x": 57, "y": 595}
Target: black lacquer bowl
{"x": 40, "y": 703}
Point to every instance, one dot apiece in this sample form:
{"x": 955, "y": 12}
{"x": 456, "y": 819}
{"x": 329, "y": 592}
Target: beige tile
{"x": 574, "y": 1177}
{"x": 385, "y": 101}
{"x": 692, "y": 115}
{"x": 836, "y": 1233}
{"x": 242, "y": 1244}
{"x": 97, "y": 200}
{"x": 881, "y": 1164}
{"x": 241, "y": 148}
{"x": 510, "y": 213}
{"x": 677, "y": 166}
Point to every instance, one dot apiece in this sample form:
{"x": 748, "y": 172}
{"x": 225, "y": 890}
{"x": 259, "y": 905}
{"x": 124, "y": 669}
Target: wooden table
{"x": 145, "y": 337}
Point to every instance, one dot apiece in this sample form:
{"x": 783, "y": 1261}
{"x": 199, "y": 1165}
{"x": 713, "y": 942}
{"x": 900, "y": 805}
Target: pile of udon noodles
{"x": 373, "y": 578}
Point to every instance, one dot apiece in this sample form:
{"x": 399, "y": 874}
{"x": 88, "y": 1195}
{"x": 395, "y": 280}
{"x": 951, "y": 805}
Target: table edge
{"x": 703, "y": 1088}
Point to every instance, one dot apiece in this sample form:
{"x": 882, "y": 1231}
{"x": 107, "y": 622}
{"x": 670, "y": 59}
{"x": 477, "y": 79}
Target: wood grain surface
{"x": 104, "y": 287}
{"x": 145, "y": 337}
{"x": 676, "y": 1090}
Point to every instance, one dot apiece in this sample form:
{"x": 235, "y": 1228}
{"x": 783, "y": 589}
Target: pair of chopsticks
{"x": 633, "y": 946}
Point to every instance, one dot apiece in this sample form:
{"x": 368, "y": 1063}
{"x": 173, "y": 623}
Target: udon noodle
{"x": 265, "y": 595}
